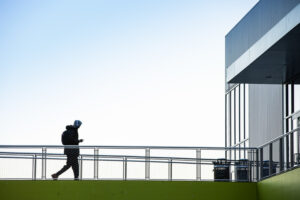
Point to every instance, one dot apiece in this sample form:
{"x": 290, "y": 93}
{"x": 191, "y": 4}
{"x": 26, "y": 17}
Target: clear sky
{"x": 135, "y": 72}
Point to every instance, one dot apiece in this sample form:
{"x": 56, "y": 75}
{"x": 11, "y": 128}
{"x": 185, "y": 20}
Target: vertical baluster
{"x": 270, "y": 159}
{"x": 261, "y": 162}
{"x": 281, "y": 155}
{"x": 147, "y": 163}
{"x": 44, "y": 167}
{"x": 198, "y": 164}
{"x": 125, "y": 168}
{"x": 96, "y": 154}
{"x": 170, "y": 169}
{"x": 80, "y": 166}
{"x": 257, "y": 165}
{"x": 34, "y": 167}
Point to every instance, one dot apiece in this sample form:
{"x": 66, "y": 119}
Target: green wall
{"x": 126, "y": 190}
{"x": 282, "y": 187}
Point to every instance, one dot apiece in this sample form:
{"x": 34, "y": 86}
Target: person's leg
{"x": 75, "y": 166}
{"x": 65, "y": 168}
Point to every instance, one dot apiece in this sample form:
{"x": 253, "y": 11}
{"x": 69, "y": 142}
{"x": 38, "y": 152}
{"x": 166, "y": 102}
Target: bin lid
{"x": 221, "y": 161}
{"x": 221, "y": 166}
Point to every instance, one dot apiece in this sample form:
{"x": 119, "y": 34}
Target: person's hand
{"x": 81, "y": 140}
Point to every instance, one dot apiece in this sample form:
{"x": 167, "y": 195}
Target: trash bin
{"x": 221, "y": 170}
{"x": 242, "y": 170}
{"x": 265, "y": 171}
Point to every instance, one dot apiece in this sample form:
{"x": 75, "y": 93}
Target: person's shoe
{"x": 54, "y": 177}
{"x": 76, "y": 179}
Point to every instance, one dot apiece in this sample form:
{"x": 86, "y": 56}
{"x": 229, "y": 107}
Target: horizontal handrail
{"x": 122, "y": 147}
{"x": 279, "y": 137}
{"x": 174, "y": 160}
{"x": 241, "y": 142}
{"x": 233, "y": 87}
{"x": 115, "y": 156}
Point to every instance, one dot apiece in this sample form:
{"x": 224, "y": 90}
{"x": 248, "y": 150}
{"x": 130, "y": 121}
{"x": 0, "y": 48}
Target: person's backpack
{"x": 66, "y": 138}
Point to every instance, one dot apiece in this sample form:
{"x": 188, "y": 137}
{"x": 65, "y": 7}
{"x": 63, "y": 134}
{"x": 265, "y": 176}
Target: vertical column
{"x": 125, "y": 168}
{"x": 198, "y": 164}
{"x": 147, "y": 163}
{"x": 96, "y": 158}
{"x": 226, "y": 120}
{"x": 244, "y": 117}
{"x": 287, "y": 125}
{"x": 292, "y": 134}
{"x": 170, "y": 169}
{"x": 234, "y": 121}
{"x": 44, "y": 167}
{"x": 239, "y": 140}
{"x": 229, "y": 124}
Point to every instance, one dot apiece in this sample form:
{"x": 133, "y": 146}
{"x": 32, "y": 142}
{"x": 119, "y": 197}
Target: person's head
{"x": 77, "y": 123}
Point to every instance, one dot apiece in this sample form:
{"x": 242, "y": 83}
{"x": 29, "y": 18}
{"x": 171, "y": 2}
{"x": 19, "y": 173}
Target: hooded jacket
{"x": 72, "y": 140}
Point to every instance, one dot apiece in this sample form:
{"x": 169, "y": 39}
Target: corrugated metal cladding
{"x": 265, "y": 113}
{"x": 263, "y": 16}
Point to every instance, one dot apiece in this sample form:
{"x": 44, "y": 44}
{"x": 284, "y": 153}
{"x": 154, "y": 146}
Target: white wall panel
{"x": 265, "y": 113}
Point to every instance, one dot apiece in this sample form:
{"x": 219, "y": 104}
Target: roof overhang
{"x": 274, "y": 58}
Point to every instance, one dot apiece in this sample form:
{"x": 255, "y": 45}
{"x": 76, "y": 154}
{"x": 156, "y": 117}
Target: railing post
{"x": 257, "y": 165}
{"x": 198, "y": 164}
{"x": 250, "y": 158}
{"x": 298, "y": 139}
{"x": 287, "y": 152}
{"x": 80, "y": 167}
{"x": 147, "y": 164}
{"x": 34, "y": 167}
{"x": 298, "y": 142}
{"x": 44, "y": 163}
{"x": 292, "y": 148}
{"x": 170, "y": 169}
{"x": 270, "y": 159}
{"x": 125, "y": 168}
{"x": 281, "y": 154}
{"x": 96, "y": 154}
{"x": 261, "y": 162}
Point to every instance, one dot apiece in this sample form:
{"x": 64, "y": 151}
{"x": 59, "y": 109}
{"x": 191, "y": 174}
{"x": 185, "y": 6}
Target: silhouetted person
{"x": 70, "y": 137}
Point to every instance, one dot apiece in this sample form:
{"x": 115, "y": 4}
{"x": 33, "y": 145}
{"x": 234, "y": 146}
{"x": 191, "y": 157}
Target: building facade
{"x": 262, "y": 67}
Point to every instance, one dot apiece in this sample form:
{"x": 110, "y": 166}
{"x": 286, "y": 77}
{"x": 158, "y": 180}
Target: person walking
{"x": 70, "y": 137}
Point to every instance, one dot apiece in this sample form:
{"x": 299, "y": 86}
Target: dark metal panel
{"x": 279, "y": 64}
{"x": 260, "y": 19}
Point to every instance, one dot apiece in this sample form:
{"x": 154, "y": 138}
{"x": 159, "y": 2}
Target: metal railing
{"x": 279, "y": 155}
{"x": 38, "y": 162}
